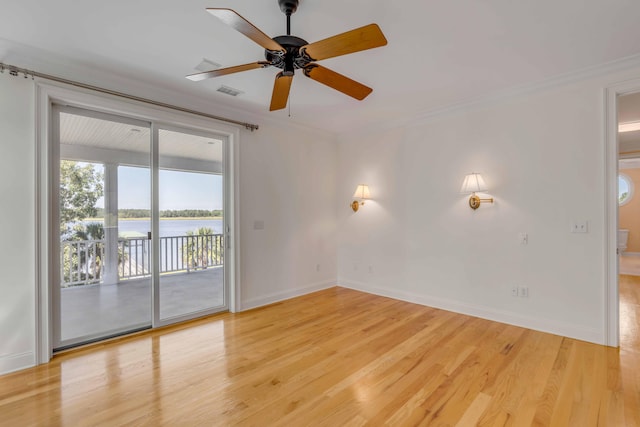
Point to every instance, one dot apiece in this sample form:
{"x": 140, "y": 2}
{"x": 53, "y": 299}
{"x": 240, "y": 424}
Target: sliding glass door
{"x": 190, "y": 226}
{"x": 138, "y": 225}
{"x": 104, "y": 282}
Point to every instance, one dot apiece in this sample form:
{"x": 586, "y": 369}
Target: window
{"x": 625, "y": 189}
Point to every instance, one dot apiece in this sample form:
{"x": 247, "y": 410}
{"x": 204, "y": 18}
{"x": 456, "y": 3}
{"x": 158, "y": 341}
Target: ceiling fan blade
{"x": 224, "y": 71}
{"x": 280, "y": 94}
{"x": 337, "y": 81}
{"x": 362, "y": 38}
{"x": 237, "y": 22}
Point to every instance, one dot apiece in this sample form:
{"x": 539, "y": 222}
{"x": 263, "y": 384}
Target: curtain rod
{"x": 15, "y": 71}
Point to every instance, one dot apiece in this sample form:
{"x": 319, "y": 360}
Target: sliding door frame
{"x": 156, "y": 159}
{"x": 48, "y": 94}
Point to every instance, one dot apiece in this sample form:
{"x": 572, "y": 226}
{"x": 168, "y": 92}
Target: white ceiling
{"x": 439, "y": 53}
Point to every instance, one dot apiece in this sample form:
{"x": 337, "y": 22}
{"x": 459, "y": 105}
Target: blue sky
{"x": 178, "y": 190}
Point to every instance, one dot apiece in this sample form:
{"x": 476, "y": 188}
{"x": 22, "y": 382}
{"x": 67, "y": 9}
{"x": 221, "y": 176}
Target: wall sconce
{"x": 362, "y": 193}
{"x": 474, "y": 183}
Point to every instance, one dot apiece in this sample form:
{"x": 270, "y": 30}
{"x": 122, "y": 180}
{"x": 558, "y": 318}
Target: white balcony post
{"x": 111, "y": 223}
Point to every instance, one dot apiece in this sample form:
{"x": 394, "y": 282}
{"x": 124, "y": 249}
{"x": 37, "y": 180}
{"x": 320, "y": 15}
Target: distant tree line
{"x": 188, "y": 213}
{"x": 146, "y": 213}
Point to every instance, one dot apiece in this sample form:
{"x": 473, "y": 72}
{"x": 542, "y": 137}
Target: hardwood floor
{"x": 338, "y": 358}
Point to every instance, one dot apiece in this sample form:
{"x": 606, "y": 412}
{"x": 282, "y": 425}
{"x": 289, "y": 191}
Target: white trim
{"x": 83, "y": 98}
{"x": 155, "y": 226}
{"x": 232, "y": 220}
{"x": 43, "y": 311}
{"x": 285, "y": 295}
{"x": 48, "y": 93}
{"x": 611, "y": 296}
{"x": 15, "y": 362}
{"x": 503, "y": 316}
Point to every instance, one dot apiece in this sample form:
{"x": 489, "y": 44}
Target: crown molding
{"x": 513, "y": 92}
{"x": 38, "y": 60}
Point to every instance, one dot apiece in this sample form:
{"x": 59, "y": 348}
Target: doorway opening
{"x": 628, "y": 219}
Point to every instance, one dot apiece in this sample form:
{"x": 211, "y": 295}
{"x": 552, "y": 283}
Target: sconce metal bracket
{"x": 474, "y": 201}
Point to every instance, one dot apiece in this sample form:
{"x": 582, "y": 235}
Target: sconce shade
{"x": 473, "y": 183}
{"x": 362, "y": 192}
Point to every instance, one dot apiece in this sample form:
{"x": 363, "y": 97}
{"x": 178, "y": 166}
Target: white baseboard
{"x": 285, "y": 295}
{"x": 503, "y": 316}
{"x": 15, "y": 362}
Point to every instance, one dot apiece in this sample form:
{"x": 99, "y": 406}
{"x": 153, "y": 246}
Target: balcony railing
{"x": 82, "y": 261}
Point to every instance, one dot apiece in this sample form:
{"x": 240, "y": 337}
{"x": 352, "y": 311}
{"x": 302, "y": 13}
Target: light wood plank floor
{"x": 338, "y": 358}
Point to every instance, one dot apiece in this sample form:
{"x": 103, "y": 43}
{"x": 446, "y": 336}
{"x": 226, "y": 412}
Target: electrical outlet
{"x": 317, "y": 267}
{"x": 370, "y": 269}
{"x": 579, "y": 226}
{"x": 514, "y": 291}
{"x": 523, "y": 292}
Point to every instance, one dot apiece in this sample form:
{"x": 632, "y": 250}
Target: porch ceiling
{"x": 105, "y": 134}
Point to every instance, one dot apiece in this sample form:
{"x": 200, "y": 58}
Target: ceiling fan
{"x": 290, "y": 53}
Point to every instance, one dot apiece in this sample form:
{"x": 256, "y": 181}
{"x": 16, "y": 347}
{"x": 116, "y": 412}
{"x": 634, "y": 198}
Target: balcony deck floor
{"x": 109, "y": 309}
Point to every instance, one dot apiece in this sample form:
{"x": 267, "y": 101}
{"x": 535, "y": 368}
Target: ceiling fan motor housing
{"x": 288, "y": 7}
{"x": 292, "y": 59}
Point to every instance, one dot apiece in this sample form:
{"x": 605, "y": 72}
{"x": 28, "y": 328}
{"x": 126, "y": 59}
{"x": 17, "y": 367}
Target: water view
{"x": 168, "y": 227}
{"x": 185, "y": 245}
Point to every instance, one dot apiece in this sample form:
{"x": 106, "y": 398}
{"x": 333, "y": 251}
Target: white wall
{"x": 287, "y": 180}
{"x": 542, "y": 156}
{"x": 288, "y": 184}
{"x": 17, "y": 223}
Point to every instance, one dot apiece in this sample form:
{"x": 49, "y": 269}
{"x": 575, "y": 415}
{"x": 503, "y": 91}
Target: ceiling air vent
{"x": 229, "y": 90}
{"x": 207, "y": 65}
